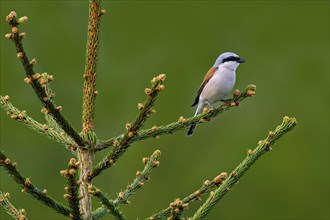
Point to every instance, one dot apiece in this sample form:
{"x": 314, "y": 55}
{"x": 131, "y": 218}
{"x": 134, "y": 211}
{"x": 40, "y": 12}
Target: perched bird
{"x": 217, "y": 83}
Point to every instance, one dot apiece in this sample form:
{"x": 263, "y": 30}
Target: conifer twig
{"x": 138, "y": 182}
{"x": 141, "y": 177}
{"x": 132, "y": 129}
{"x": 217, "y": 181}
{"x": 52, "y": 132}
{"x": 73, "y": 188}
{"x": 89, "y": 96}
{"x": 30, "y": 188}
{"x": 253, "y": 155}
{"x": 107, "y": 206}
{"x": 182, "y": 123}
{"x": 10, "y": 208}
{"x": 34, "y": 79}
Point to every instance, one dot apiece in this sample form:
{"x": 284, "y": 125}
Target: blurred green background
{"x": 286, "y": 45}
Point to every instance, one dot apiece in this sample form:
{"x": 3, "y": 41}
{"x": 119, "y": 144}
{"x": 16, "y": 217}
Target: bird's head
{"x": 229, "y": 60}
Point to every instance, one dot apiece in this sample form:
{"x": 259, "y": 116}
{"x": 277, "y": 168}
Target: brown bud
{"x": 249, "y": 152}
{"x": 270, "y": 134}
{"x": 8, "y": 36}
{"x": 250, "y": 92}
{"x": 33, "y": 62}
{"x": 160, "y": 87}
{"x": 110, "y": 161}
{"x": 72, "y": 162}
{"x": 36, "y": 76}
{"x": 152, "y": 111}
{"x": 45, "y": 127}
{"x": 14, "y": 164}
{"x": 96, "y": 92}
{"x": 182, "y": 119}
{"x": 6, "y": 98}
{"x": 43, "y": 81}
{"x": 155, "y": 163}
{"x": 64, "y": 172}
{"x": 27, "y": 80}
{"x": 44, "y": 191}
{"x": 7, "y": 195}
{"x": 50, "y": 77}
{"x": 236, "y": 92}
{"x": 27, "y": 182}
{"x": 128, "y": 126}
{"x": 116, "y": 142}
{"x": 140, "y": 106}
{"x": 147, "y": 91}
{"x": 45, "y": 111}
{"x": 154, "y": 128}
{"x": 22, "y": 35}
{"x": 7, "y": 161}
{"x": 14, "y": 30}
{"x": 103, "y": 11}
{"x": 138, "y": 173}
{"x": 59, "y": 108}
{"x": 13, "y": 116}
{"x": 23, "y": 190}
{"x": 161, "y": 77}
{"x": 72, "y": 171}
{"x": 19, "y": 55}
{"x": 67, "y": 196}
{"x": 145, "y": 160}
{"x": 130, "y": 134}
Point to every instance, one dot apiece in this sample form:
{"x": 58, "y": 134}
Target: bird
{"x": 217, "y": 84}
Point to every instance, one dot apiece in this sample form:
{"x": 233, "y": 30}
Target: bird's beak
{"x": 241, "y": 60}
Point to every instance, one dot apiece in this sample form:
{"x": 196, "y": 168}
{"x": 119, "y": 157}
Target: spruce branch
{"x": 141, "y": 177}
{"x": 89, "y": 96}
{"x": 207, "y": 185}
{"x": 51, "y": 130}
{"x": 108, "y": 206}
{"x": 73, "y": 188}
{"x": 182, "y": 123}
{"x": 36, "y": 80}
{"x": 10, "y": 208}
{"x": 138, "y": 182}
{"x": 253, "y": 155}
{"x": 92, "y": 46}
{"x": 132, "y": 129}
{"x": 28, "y": 187}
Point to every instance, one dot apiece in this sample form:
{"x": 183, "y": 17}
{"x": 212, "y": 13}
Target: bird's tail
{"x": 193, "y": 126}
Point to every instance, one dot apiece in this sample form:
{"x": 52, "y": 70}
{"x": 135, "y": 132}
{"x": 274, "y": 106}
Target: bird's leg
{"x": 211, "y": 106}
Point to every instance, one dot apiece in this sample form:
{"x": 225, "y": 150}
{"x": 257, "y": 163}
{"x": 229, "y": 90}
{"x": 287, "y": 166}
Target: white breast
{"x": 219, "y": 86}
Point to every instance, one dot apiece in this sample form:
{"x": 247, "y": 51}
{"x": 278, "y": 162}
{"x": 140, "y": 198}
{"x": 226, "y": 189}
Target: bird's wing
{"x": 207, "y": 78}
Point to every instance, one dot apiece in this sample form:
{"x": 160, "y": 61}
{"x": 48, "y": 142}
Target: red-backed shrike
{"x": 217, "y": 84}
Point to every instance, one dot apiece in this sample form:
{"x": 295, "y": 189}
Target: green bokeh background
{"x": 286, "y": 45}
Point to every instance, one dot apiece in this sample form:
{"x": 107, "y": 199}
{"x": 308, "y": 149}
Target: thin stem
{"x": 30, "y": 188}
{"x": 132, "y": 129}
{"x": 263, "y": 147}
{"x": 108, "y": 206}
{"x": 180, "y": 124}
{"x": 33, "y": 79}
{"x": 10, "y": 208}
{"x": 51, "y": 131}
{"x": 89, "y": 96}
